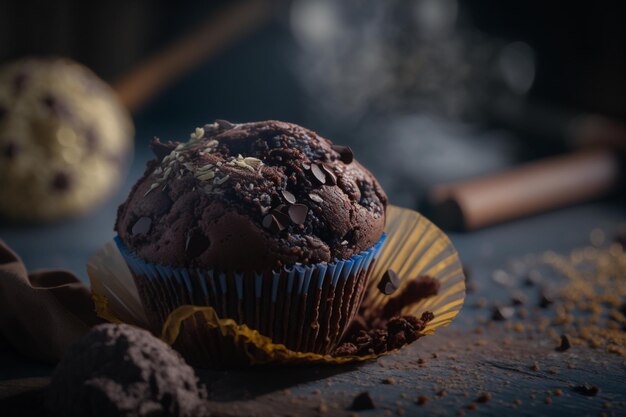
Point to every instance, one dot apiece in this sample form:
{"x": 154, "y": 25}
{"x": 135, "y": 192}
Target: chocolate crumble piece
{"x": 545, "y": 299}
{"x": 502, "y": 313}
{"x": 422, "y": 399}
{"x": 389, "y": 283}
{"x": 123, "y": 371}
{"x": 384, "y": 336}
{"x": 586, "y": 389}
{"x": 142, "y": 226}
{"x": 345, "y": 153}
{"x": 484, "y": 397}
{"x": 565, "y": 344}
{"x": 362, "y": 402}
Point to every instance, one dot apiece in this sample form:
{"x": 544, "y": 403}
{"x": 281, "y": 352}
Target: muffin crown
{"x": 251, "y": 196}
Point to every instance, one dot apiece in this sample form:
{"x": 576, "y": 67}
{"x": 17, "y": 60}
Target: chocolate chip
{"x": 61, "y": 182}
{"x": 297, "y": 213}
{"x": 224, "y": 124}
{"x": 389, "y": 283}
{"x": 316, "y": 198}
{"x": 545, "y": 300}
{"x": 271, "y": 222}
{"x": 196, "y": 243}
{"x": 55, "y": 105}
{"x": 92, "y": 139}
{"x": 363, "y": 401}
{"x": 319, "y": 175}
{"x": 422, "y": 399}
{"x": 280, "y": 214}
{"x": 141, "y": 226}
{"x": 502, "y": 313}
{"x": 565, "y": 344}
{"x": 331, "y": 178}
{"x": 533, "y": 278}
{"x": 289, "y": 197}
{"x": 518, "y": 299}
{"x": 19, "y": 82}
{"x": 10, "y": 150}
{"x": 586, "y": 389}
{"x": 345, "y": 153}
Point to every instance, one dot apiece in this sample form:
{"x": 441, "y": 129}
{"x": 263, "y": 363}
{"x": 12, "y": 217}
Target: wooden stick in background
{"x": 213, "y": 35}
{"x": 529, "y": 189}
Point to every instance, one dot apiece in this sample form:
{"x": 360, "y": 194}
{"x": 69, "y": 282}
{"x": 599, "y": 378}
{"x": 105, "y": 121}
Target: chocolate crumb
{"x": 389, "y": 283}
{"x": 547, "y": 400}
{"x": 441, "y": 393}
{"x": 502, "y": 313}
{"x": 421, "y": 361}
{"x": 545, "y": 300}
{"x": 535, "y": 367}
{"x": 586, "y": 389}
{"x": 518, "y": 299}
{"x": 484, "y": 397}
{"x": 565, "y": 344}
{"x": 422, "y": 399}
{"x": 471, "y": 406}
{"x": 363, "y": 401}
{"x": 389, "y": 381}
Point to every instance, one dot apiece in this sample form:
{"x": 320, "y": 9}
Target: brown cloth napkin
{"x": 41, "y": 314}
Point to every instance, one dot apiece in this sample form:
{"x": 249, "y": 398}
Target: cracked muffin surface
{"x": 251, "y": 196}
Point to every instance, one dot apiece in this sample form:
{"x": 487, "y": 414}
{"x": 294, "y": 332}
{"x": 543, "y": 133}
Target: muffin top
{"x": 251, "y": 197}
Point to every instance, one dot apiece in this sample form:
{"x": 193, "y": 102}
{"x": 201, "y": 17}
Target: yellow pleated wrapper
{"x": 414, "y": 247}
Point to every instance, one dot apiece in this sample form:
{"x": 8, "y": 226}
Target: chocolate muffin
{"x": 255, "y": 219}
{"x": 274, "y": 192}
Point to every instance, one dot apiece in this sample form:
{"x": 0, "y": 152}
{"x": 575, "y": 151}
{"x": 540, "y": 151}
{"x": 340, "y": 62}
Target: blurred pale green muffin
{"x": 65, "y": 139}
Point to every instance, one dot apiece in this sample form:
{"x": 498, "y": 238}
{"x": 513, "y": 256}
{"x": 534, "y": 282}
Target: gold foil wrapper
{"x": 414, "y": 247}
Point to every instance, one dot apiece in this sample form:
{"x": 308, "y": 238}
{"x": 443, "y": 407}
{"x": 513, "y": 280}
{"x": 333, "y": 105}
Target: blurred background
{"x": 426, "y": 92}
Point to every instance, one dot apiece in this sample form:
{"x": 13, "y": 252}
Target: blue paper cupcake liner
{"x": 305, "y": 307}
